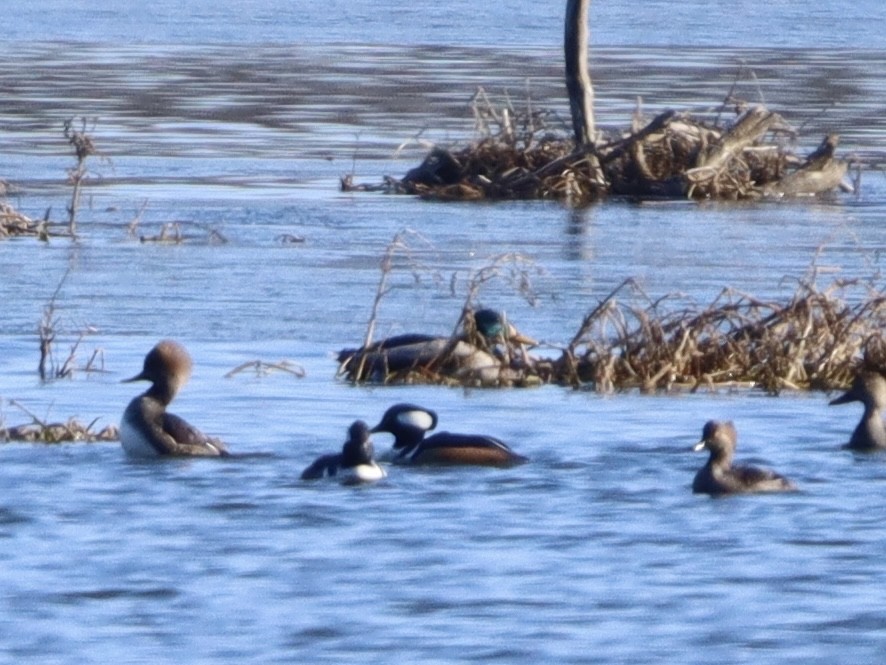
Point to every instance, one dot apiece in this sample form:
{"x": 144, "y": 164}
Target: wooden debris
{"x": 675, "y": 155}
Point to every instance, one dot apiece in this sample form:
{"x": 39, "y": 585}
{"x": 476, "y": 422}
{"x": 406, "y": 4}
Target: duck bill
{"x": 516, "y": 337}
{"x": 699, "y": 446}
{"x": 845, "y": 398}
{"x": 138, "y": 377}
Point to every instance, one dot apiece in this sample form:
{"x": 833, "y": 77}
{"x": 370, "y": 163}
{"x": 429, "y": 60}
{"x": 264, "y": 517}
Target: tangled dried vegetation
{"x": 812, "y": 341}
{"x": 14, "y": 224}
{"x": 675, "y": 155}
{"x": 41, "y": 431}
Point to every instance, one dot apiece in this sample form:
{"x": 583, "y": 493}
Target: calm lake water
{"x": 239, "y": 122}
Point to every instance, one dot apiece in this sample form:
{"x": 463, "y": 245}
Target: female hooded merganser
{"x": 147, "y": 430}
{"x": 353, "y": 465}
{"x": 718, "y": 476}
{"x": 869, "y": 388}
{"x": 409, "y": 423}
{"x": 484, "y": 356}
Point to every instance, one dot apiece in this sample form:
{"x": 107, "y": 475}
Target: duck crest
{"x": 147, "y": 430}
{"x": 418, "y": 418}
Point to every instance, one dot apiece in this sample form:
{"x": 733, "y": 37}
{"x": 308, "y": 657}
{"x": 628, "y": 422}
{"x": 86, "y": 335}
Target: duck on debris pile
{"x": 489, "y": 351}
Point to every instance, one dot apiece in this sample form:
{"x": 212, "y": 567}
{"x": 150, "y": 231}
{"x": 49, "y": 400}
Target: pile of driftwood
{"x": 813, "y": 341}
{"x": 676, "y": 155}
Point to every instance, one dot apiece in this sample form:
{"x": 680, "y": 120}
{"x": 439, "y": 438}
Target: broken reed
{"x": 48, "y": 329}
{"x": 84, "y": 148}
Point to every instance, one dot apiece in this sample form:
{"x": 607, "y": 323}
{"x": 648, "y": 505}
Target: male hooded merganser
{"x": 409, "y": 423}
{"x": 355, "y": 463}
{"x": 484, "y": 356}
{"x": 147, "y": 430}
{"x": 869, "y": 388}
{"x": 718, "y": 476}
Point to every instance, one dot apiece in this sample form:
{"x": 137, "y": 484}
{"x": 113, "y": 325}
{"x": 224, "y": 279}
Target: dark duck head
{"x": 358, "y": 448}
{"x": 408, "y": 424}
{"x": 355, "y": 463}
{"x": 869, "y": 388}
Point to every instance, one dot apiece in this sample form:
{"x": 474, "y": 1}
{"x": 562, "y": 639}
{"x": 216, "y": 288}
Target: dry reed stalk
{"x": 811, "y": 341}
{"x": 264, "y": 369}
{"x": 397, "y": 246}
{"x": 47, "y": 331}
{"x": 84, "y": 148}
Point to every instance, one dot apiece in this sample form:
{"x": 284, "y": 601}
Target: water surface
{"x": 596, "y": 549}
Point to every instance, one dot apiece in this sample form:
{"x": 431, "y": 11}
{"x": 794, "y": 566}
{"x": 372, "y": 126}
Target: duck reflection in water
{"x": 488, "y": 350}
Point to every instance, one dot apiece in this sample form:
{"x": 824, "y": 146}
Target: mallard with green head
{"x": 488, "y": 350}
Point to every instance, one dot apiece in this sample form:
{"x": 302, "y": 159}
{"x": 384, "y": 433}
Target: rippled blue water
{"x": 596, "y": 551}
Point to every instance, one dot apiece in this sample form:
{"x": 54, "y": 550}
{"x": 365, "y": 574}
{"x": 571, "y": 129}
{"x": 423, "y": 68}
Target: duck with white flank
{"x": 488, "y": 350}
{"x": 719, "y": 476}
{"x": 869, "y": 388}
{"x": 409, "y": 424}
{"x": 147, "y": 430}
{"x": 355, "y": 463}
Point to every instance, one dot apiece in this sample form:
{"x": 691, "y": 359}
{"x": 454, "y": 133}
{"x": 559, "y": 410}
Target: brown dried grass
{"x": 42, "y": 431}
{"x": 816, "y": 339}
{"x": 813, "y": 340}
{"x": 674, "y": 155}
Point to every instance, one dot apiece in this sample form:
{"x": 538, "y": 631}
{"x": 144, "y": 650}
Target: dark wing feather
{"x": 185, "y": 434}
{"x": 406, "y": 339}
{"x": 323, "y": 467}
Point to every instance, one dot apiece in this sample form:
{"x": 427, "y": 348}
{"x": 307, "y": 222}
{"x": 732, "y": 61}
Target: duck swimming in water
{"x": 494, "y": 352}
{"x": 719, "y": 476}
{"x": 147, "y": 430}
{"x": 409, "y": 424}
{"x": 355, "y": 463}
{"x": 869, "y": 388}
